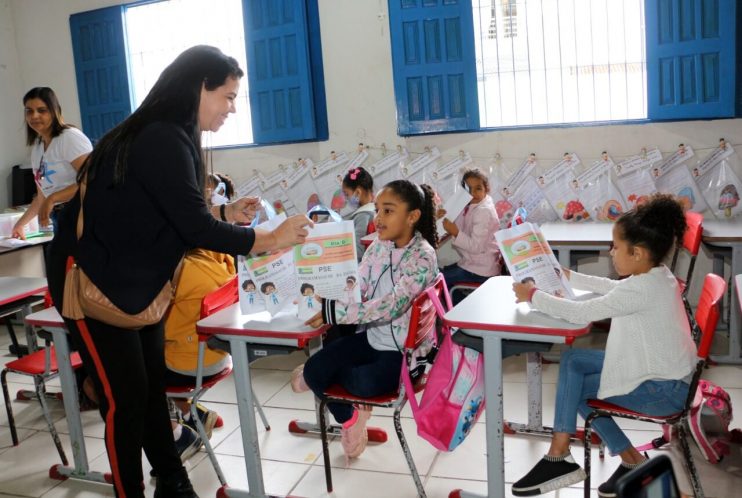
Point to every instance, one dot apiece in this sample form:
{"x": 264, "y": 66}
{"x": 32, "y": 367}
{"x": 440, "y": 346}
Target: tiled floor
{"x": 293, "y": 464}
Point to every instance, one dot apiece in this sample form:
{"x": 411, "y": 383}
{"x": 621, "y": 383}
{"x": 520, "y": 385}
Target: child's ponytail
{"x": 426, "y": 224}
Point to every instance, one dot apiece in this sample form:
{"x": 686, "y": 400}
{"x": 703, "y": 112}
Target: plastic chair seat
{"x": 205, "y": 385}
{"x": 597, "y": 404}
{"x": 35, "y": 363}
{"x": 338, "y": 393}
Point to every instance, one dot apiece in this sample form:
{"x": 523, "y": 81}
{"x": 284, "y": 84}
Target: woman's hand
{"x": 315, "y": 322}
{"x": 242, "y": 210}
{"x": 523, "y": 291}
{"x": 18, "y": 231}
{"x": 292, "y": 231}
{"x": 450, "y": 227}
{"x": 440, "y": 213}
{"x": 45, "y": 211}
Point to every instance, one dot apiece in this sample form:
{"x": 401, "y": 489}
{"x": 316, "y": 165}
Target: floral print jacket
{"x": 386, "y": 294}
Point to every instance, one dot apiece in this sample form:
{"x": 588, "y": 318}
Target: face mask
{"x": 354, "y": 201}
{"x": 217, "y": 197}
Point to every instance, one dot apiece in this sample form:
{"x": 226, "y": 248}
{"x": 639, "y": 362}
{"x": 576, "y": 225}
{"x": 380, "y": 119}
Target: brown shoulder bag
{"x": 83, "y": 299}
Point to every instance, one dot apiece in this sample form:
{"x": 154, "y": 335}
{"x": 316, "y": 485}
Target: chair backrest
{"x": 423, "y": 316}
{"x": 691, "y": 243}
{"x": 707, "y": 312}
{"x": 707, "y": 316}
{"x": 218, "y": 299}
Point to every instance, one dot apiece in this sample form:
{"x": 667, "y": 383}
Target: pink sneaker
{"x": 298, "y": 385}
{"x": 354, "y": 436}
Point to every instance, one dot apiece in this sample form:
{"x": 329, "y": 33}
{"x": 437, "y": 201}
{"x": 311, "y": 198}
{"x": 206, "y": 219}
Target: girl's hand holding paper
{"x": 523, "y": 291}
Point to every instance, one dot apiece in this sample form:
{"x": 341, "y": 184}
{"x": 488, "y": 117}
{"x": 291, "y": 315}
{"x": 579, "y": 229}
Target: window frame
{"x": 315, "y": 79}
{"x": 734, "y": 71}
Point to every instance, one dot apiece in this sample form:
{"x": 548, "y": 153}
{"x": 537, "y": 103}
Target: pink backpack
{"x": 453, "y": 398}
{"x": 709, "y": 423}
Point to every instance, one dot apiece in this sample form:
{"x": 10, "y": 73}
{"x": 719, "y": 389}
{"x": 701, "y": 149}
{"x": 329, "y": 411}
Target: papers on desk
{"x": 12, "y": 243}
{"x": 454, "y": 205}
{"x": 528, "y": 257}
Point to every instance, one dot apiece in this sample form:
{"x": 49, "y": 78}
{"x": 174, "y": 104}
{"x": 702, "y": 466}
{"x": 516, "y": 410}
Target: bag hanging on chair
{"x": 82, "y": 298}
{"x": 453, "y": 398}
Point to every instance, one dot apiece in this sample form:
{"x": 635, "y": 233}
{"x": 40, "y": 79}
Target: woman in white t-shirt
{"x": 57, "y": 152}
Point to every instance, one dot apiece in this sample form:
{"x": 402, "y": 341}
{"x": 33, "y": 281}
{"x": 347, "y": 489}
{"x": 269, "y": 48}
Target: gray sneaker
{"x": 188, "y": 443}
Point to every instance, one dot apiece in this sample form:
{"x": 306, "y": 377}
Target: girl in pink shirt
{"x": 474, "y": 235}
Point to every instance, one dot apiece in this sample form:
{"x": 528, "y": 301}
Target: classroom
{"x": 558, "y": 121}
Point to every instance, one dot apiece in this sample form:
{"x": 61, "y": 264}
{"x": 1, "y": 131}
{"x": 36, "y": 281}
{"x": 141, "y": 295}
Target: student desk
{"x": 721, "y": 238}
{"x": 17, "y": 295}
{"x": 241, "y": 330}
{"x": 49, "y": 320}
{"x": 567, "y": 237}
{"x": 477, "y": 316}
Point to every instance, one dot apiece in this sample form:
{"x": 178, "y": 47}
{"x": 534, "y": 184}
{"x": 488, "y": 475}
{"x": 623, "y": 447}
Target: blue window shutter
{"x": 691, "y": 62}
{"x": 435, "y": 80}
{"x": 278, "y": 70}
{"x": 101, "y": 68}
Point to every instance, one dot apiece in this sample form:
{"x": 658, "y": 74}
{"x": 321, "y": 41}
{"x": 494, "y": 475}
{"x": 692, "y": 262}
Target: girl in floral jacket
{"x": 395, "y": 269}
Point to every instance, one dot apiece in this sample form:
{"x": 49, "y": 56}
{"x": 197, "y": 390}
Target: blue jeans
{"x": 454, "y": 274}
{"x": 351, "y": 362}
{"x": 579, "y": 379}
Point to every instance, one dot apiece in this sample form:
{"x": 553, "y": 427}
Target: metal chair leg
{"x": 8, "y": 407}
{"x": 207, "y": 444}
{"x": 587, "y": 448}
{"x": 325, "y": 445}
{"x": 683, "y": 432}
{"x": 260, "y": 411}
{"x": 407, "y": 453}
{"x": 40, "y": 394}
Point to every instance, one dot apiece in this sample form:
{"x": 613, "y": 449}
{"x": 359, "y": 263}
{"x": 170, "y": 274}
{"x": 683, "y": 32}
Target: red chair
{"x": 421, "y": 336}
{"x": 42, "y": 366}
{"x": 216, "y": 300}
{"x": 707, "y": 316}
{"x": 692, "y": 245}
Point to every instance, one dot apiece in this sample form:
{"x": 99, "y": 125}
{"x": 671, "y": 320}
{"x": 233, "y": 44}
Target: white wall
{"x": 360, "y": 97}
{"x": 12, "y": 132}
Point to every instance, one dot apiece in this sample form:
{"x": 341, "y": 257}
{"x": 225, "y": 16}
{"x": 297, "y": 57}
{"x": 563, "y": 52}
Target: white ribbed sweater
{"x": 649, "y": 336}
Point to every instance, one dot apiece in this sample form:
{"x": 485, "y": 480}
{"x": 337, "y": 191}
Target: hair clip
{"x": 354, "y": 173}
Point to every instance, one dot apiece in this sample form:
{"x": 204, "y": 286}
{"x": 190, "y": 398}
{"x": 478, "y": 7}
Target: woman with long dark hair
{"x": 143, "y": 208}
{"x": 57, "y": 152}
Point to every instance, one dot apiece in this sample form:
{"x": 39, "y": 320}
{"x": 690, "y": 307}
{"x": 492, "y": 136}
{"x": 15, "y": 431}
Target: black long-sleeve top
{"x": 136, "y": 232}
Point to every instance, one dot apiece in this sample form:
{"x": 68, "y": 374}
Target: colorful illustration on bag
{"x": 728, "y": 199}
{"x": 470, "y": 417}
{"x": 278, "y": 206}
{"x": 611, "y": 211}
{"x": 504, "y": 212}
{"x": 575, "y": 211}
{"x": 312, "y": 201}
{"x": 338, "y": 201}
{"x": 687, "y": 198}
{"x": 637, "y": 200}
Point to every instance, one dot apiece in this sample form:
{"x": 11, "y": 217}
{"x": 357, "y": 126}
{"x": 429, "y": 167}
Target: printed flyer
{"x": 324, "y": 265}
{"x": 529, "y": 258}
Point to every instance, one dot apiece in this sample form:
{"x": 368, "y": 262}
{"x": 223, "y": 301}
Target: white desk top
{"x": 33, "y": 241}
{"x": 17, "y": 288}
{"x": 231, "y": 321}
{"x": 584, "y": 234}
{"x": 492, "y": 307}
{"x": 722, "y": 230}
{"x": 48, "y": 317}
